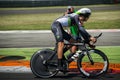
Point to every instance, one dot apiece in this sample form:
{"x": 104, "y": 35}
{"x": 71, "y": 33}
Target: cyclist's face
{"x": 82, "y": 18}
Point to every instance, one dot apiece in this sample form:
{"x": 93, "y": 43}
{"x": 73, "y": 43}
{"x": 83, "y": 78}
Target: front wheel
{"x": 38, "y": 66}
{"x": 99, "y": 67}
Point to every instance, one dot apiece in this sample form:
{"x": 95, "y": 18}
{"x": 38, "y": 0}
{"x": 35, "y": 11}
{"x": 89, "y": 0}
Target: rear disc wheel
{"x": 38, "y": 66}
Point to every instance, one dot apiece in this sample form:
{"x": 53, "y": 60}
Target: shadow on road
{"x": 6, "y": 58}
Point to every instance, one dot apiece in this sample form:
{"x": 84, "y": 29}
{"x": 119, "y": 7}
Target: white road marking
{"x": 15, "y": 69}
{"x": 49, "y": 31}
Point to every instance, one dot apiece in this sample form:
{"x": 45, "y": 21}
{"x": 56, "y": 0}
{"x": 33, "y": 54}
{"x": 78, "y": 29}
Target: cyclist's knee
{"x": 61, "y": 44}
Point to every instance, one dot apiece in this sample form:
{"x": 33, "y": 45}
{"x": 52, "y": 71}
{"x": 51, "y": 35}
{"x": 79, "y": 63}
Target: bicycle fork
{"x": 89, "y": 57}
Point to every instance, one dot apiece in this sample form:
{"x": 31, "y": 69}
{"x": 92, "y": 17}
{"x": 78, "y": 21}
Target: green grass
{"x": 27, "y": 21}
{"x": 104, "y": 20}
{"x": 98, "y": 20}
{"x": 111, "y": 51}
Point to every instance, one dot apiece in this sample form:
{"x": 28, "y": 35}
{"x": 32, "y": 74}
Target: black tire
{"x": 38, "y": 67}
{"x": 98, "y": 57}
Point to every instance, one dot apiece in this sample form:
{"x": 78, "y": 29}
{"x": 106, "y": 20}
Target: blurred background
{"x": 36, "y": 3}
{"x": 24, "y": 25}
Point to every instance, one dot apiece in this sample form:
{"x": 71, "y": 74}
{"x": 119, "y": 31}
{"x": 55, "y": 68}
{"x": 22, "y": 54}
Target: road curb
{"x": 49, "y": 31}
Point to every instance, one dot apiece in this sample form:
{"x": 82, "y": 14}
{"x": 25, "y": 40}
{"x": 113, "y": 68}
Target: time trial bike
{"x": 91, "y": 62}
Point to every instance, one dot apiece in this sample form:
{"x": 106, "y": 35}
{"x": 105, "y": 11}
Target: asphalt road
{"x": 24, "y": 73}
{"x": 70, "y": 76}
{"x": 60, "y": 76}
{"x": 22, "y": 39}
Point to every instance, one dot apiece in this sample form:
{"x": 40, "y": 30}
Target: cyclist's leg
{"x": 69, "y": 38}
{"x": 74, "y": 33}
{"x": 72, "y": 52}
{"x": 76, "y": 36}
{"x": 74, "y": 48}
{"x": 58, "y": 33}
{"x": 60, "y": 53}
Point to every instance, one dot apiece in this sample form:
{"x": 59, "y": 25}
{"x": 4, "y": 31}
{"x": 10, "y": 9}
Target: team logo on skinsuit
{"x": 58, "y": 37}
{"x": 57, "y": 34}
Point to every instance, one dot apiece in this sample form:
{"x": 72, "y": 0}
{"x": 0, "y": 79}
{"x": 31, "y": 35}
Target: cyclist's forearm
{"x": 84, "y": 33}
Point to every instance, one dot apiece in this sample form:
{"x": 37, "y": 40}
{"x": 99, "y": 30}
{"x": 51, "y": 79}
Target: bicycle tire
{"x": 89, "y": 72}
{"x": 37, "y": 66}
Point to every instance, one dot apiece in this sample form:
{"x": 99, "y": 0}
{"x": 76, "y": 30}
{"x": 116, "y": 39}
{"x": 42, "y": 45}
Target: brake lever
{"x": 91, "y": 45}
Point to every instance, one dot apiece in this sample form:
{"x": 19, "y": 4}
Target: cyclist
{"x": 66, "y": 21}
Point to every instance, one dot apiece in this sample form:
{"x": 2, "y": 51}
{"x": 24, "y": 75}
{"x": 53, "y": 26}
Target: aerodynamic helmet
{"x": 86, "y": 12}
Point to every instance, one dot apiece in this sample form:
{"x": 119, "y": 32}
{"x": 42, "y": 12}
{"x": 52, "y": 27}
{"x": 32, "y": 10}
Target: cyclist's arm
{"x": 82, "y": 31}
{"x": 84, "y": 34}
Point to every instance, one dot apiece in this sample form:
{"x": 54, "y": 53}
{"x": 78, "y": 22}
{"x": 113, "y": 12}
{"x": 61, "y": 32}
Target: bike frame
{"x": 66, "y": 48}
